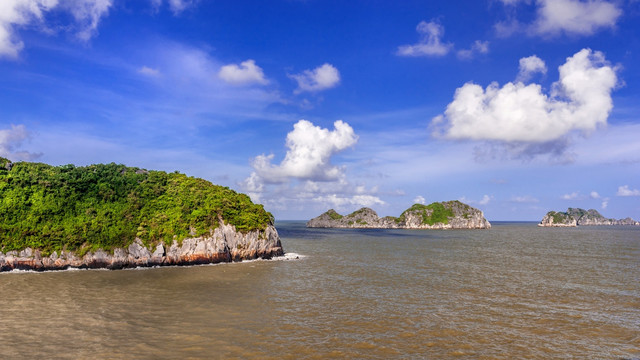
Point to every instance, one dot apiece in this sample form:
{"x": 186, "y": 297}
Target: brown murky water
{"x": 515, "y": 291}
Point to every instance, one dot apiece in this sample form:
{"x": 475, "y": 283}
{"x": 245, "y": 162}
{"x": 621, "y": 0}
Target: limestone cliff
{"x": 224, "y": 244}
{"x": 444, "y": 215}
{"x": 580, "y": 217}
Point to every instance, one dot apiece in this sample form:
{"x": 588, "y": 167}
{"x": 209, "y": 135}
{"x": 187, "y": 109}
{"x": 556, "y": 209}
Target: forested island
{"x": 580, "y": 217}
{"x": 438, "y": 215}
{"x": 113, "y": 216}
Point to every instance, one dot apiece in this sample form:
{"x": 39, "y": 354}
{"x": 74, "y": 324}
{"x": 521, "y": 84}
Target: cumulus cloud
{"x": 17, "y": 13}
{"x": 323, "y": 77}
{"x": 419, "y": 200}
{"x": 478, "y": 47}
{"x": 574, "y": 17}
{"x": 529, "y": 66}
{"x": 309, "y": 155}
{"x": 245, "y": 73}
{"x": 594, "y": 195}
{"x": 524, "y": 117}
{"x": 555, "y": 17}
{"x": 11, "y": 140}
{"x": 430, "y": 43}
{"x": 626, "y": 191}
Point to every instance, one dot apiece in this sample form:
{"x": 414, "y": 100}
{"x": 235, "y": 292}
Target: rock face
{"x": 444, "y": 215}
{"x": 224, "y": 244}
{"x": 580, "y": 217}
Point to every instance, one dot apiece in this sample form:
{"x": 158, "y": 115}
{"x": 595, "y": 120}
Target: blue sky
{"x": 516, "y": 107}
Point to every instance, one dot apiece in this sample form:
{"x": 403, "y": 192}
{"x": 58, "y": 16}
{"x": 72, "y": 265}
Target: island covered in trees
{"x": 113, "y": 216}
{"x": 438, "y": 215}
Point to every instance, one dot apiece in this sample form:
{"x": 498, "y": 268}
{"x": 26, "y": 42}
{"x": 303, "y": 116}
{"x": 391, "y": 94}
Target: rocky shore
{"x": 443, "y": 215}
{"x": 580, "y": 217}
{"x": 224, "y": 244}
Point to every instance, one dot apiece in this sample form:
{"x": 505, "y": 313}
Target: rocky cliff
{"x": 224, "y": 244}
{"x": 443, "y": 215}
{"x": 580, "y": 217}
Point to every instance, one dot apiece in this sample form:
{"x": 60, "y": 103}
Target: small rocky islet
{"x": 438, "y": 215}
{"x": 579, "y": 217}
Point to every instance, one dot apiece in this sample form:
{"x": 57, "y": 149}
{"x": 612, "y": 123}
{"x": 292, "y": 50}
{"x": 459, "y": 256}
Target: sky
{"x": 516, "y": 107}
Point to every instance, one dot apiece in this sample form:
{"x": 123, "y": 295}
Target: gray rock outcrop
{"x": 224, "y": 244}
{"x": 580, "y": 217}
{"x": 444, "y": 215}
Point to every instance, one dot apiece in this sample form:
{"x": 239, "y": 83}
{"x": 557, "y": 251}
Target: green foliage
{"x": 107, "y": 206}
{"x": 559, "y": 217}
{"x": 334, "y": 215}
{"x": 431, "y": 214}
{"x": 358, "y": 212}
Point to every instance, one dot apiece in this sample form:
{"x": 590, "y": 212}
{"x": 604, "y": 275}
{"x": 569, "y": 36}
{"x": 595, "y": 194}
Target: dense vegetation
{"x": 431, "y": 214}
{"x": 108, "y": 206}
{"x": 559, "y": 217}
{"x": 334, "y": 215}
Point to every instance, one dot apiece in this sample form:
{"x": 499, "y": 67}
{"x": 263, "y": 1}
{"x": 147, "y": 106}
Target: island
{"x": 112, "y": 216}
{"x": 438, "y": 215}
{"x": 580, "y": 217}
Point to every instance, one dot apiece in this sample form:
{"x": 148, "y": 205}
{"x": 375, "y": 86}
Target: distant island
{"x": 438, "y": 215}
{"x": 580, "y": 217}
{"x": 113, "y": 216}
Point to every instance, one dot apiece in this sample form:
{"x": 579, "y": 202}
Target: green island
{"x": 438, "y": 215}
{"x": 108, "y": 206}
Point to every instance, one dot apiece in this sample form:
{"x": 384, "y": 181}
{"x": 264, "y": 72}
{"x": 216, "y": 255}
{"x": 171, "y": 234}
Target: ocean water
{"x": 514, "y": 291}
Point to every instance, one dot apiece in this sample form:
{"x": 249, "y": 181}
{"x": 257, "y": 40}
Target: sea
{"x": 515, "y": 291}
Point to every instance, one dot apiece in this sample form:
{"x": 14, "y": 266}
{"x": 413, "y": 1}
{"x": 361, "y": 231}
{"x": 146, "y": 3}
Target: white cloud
{"x": 484, "y": 201}
{"x": 177, "y": 6}
{"x": 147, "y": 71}
{"x": 605, "y": 203}
{"x": 626, "y": 191}
{"x": 17, "y": 13}
{"x": 321, "y": 78}
{"x": 10, "y": 141}
{"x": 337, "y": 201}
{"x": 574, "y": 17}
{"x": 478, "y": 47}
{"x": 87, "y": 14}
{"x": 309, "y": 154}
{"x": 519, "y": 113}
{"x": 572, "y": 196}
{"x": 430, "y": 43}
{"x": 419, "y": 200}
{"x": 594, "y": 195}
{"x": 529, "y": 66}
{"x": 245, "y": 73}
{"x": 555, "y": 17}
